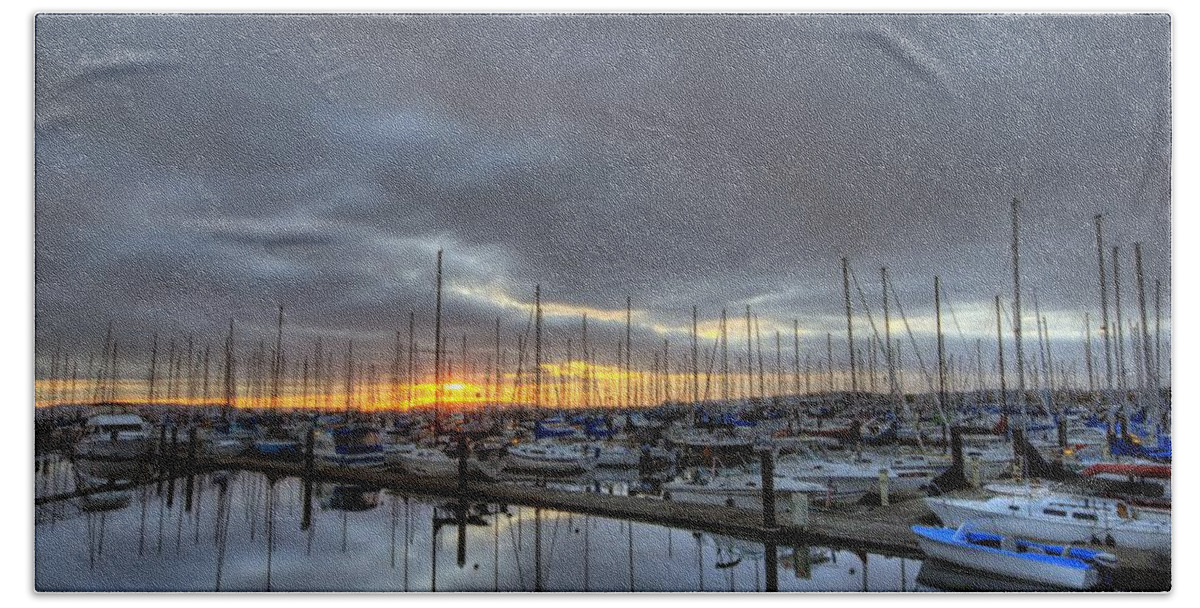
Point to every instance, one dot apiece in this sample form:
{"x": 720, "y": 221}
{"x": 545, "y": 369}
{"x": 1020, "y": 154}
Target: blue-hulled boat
{"x": 349, "y": 445}
{"x": 1061, "y": 566}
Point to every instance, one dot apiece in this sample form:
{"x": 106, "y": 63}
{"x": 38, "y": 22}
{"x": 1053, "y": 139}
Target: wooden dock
{"x": 876, "y": 529}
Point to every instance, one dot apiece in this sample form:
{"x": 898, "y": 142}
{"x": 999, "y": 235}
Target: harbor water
{"x": 242, "y": 531}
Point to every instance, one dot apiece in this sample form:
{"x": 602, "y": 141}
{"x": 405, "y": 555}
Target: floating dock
{"x": 878, "y": 529}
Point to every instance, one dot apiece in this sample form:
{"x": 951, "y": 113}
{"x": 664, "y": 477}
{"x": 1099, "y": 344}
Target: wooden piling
{"x": 306, "y": 516}
{"x": 768, "y": 490}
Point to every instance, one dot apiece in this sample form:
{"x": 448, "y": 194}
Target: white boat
{"x": 1058, "y": 566}
{"x": 740, "y": 490}
{"x": 711, "y": 439}
{"x": 348, "y": 445}
{"x": 613, "y": 455}
{"x": 1061, "y": 518}
{"x": 913, "y": 471}
{"x": 547, "y": 458}
{"x": 226, "y": 439}
{"x": 843, "y": 481}
{"x": 992, "y": 453}
{"x": 114, "y": 437}
{"x": 394, "y": 452}
{"x": 429, "y": 462}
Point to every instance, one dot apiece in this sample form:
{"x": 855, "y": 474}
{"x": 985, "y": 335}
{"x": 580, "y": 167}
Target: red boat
{"x": 1144, "y": 471}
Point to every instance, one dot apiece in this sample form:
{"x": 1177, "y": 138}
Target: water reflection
{"x": 240, "y": 531}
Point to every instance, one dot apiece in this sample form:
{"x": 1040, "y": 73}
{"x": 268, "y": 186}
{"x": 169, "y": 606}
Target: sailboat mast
{"x": 349, "y": 375}
{"x": 724, "y": 357}
{"x": 1147, "y": 364}
{"x": 230, "y": 382}
{"x": 893, "y": 389}
{"x": 537, "y": 356}
{"x": 941, "y": 344}
{"x": 749, "y": 357}
{"x": 1122, "y": 384}
{"x": 628, "y": 350}
{"x": 1087, "y": 353}
{"x": 1000, "y": 358}
{"x": 849, "y": 325}
{"x": 796, "y": 354}
{"x": 695, "y": 357}
{"x": 437, "y": 348}
{"x": 1105, "y": 328}
{"x": 1016, "y": 257}
{"x": 587, "y": 386}
{"x": 412, "y": 353}
{"x": 153, "y": 366}
{"x": 277, "y": 364}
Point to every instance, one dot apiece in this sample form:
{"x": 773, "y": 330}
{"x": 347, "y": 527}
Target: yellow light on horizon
{"x": 456, "y": 386}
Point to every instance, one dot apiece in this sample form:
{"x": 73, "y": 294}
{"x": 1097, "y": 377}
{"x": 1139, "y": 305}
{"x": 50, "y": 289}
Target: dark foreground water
{"x": 244, "y": 532}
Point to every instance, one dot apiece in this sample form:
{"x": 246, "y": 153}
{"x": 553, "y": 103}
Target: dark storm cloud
{"x": 190, "y": 169}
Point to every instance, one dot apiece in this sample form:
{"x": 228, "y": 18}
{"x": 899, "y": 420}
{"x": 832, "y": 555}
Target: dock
{"x": 869, "y": 528}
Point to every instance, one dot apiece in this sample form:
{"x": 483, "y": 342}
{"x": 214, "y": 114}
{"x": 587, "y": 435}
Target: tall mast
{"x": 437, "y": 348}
{"x": 1158, "y": 334}
{"x": 695, "y": 357}
{"x": 1122, "y": 382}
{"x": 1105, "y": 328}
{"x": 778, "y": 367}
{"x": 849, "y": 325}
{"x": 724, "y": 357}
{"x": 628, "y": 350}
{"x": 537, "y": 357}
{"x": 495, "y": 400}
{"x": 153, "y": 365}
{"x": 230, "y": 383}
{"x": 394, "y": 393}
{"x": 349, "y": 375}
{"x": 762, "y": 391}
{"x": 1087, "y": 352}
{"x": 412, "y": 353}
{"x": 941, "y": 345}
{"x": 666, "y": 370}
{"x": 829, "y": 360}
{"x": 587, "y": 386}
{"x": 1016, "y": 257}
{"x": 796, "y": 353}
{"x": 277, "y": 364}
{"x": 749, "y": 357}
{"x": 1147, "y": 352}
{"x": 893, "y": 389}
{"x": 1000, "y": 359}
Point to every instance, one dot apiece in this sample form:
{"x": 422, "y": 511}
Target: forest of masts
{"x": 1123, "y": 359}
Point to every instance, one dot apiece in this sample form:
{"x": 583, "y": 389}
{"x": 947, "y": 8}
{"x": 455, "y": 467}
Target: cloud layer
{"x": 191, "y": 169}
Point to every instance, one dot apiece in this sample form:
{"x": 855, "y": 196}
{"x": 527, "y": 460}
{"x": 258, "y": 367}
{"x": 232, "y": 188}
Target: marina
{"x": 571, "y": 303}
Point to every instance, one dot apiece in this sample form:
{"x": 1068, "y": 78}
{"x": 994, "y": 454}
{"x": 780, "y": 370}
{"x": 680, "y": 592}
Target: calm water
{"x": 245, "y": 532}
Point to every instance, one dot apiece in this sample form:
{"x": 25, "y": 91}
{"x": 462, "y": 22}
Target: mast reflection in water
{"x": 238, "y": 531}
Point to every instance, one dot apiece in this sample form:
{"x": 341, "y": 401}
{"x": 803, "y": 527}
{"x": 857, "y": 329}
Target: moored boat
{"x": 430, "y": 462}
{"x": 1061, "y": 518}
{"x": 349, "y": 445}
{"x": 547, "y": 459}
{"x": 740, "y": 490}
{"x": 113, "y": 437}
{"x": 1061, "y": 566}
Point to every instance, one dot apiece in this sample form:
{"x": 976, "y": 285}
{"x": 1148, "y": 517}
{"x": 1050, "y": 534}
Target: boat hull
{"x": 1013, "y": 566}
{"x": 954, "y": 513}
{"x": 516, "y": 462}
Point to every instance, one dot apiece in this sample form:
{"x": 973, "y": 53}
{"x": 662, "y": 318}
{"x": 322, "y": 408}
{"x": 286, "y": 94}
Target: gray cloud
{"x": 196, "y": 168}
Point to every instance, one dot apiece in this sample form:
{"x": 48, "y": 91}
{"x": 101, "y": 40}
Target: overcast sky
{"x": 193, "y": 169}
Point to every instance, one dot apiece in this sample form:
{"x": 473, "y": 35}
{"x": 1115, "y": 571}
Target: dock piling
{"x": 768, "y": 489}
{"x": 883, "y": 487}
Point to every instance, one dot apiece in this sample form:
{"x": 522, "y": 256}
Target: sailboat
{"x": 1061, "y": 566}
